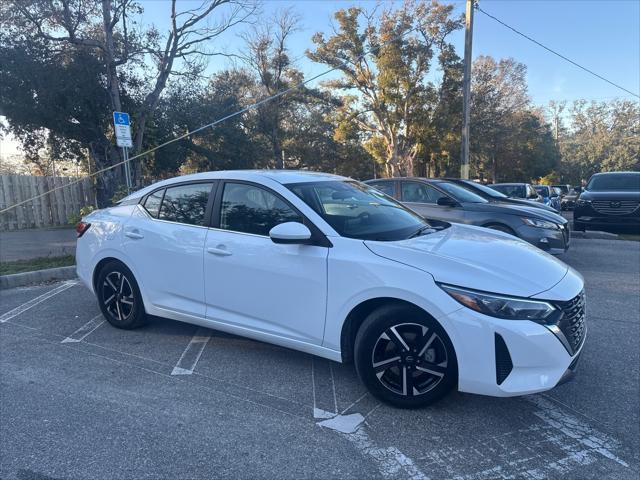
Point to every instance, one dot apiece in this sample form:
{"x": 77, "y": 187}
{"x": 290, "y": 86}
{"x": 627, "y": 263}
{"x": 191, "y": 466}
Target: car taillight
{"x": 82, "y": 227}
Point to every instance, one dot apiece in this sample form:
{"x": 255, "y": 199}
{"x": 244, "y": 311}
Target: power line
{"x": 220, "y": 120}
{"x": 556, "y": 53}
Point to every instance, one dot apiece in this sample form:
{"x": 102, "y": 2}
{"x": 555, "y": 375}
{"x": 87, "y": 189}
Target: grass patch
{"x": 40, "y": 263}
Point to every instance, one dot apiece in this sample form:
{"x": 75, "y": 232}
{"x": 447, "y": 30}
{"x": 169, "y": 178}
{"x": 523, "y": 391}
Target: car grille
{"x": 615, "y": 207}
{"x": 572, "y": 324}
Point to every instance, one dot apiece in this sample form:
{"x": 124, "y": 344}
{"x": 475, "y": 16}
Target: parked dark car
{"x": 610, "y": 200}
{"x": 564, "y": 189}
{"x": 524, "y": 191}
{"x": 568, "y": 201}
{"x": 550, "y": 196}
{"x": 492, "y": 195}
{"x": 443, "y": 200}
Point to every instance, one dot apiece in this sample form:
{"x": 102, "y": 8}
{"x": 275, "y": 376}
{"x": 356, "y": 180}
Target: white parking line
{"x": 81, "y": 333}
{"x": 35, "y": 301}
{"x": 588, "y": 437}
{"x": 390, "y": 461}
{"x": 189, "y": 358}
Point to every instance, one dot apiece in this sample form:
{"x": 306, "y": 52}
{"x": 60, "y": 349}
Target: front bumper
{"x": 536, "y": 359}
{"x": 586, "y": 217}
{"x": 550, "y": 240}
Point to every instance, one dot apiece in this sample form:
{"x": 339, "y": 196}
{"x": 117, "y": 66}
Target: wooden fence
{"x": 47, "y": 211}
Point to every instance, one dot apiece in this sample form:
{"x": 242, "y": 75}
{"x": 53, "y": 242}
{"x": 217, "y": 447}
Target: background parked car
{"x": 447, "y": 201}
{"x": 549, "y": 196}
{"x": 564, "y": 189}
{"x": 568, "y": 201}
{"x": 524, "y": 191}
{"x": 492, "y": 195}
{"x": 610, "y": 200}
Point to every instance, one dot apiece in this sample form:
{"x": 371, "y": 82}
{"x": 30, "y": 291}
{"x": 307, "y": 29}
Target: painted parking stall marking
{"x": 189, "y": 358}
{"x": 11, "y": 314}
{"x": 85, "y": 330}
{"x": 390, "y": 461}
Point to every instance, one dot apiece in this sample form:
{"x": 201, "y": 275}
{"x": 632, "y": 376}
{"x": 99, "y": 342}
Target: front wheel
{"x": 119, "y": 296}
{"x": 404, "y": 357}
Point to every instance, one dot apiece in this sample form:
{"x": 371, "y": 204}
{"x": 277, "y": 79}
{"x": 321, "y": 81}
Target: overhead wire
{"x": 556, "y": 53}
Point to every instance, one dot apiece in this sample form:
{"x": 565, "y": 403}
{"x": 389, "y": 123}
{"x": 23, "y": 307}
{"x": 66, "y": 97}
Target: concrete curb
{"x": 37, "y": 276}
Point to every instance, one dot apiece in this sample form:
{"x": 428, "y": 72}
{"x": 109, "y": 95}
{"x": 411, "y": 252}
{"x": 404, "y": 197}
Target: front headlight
{"x": 534, "y": 222}
{"x": 500, "y": 306}
{"x": 582, "y": 203}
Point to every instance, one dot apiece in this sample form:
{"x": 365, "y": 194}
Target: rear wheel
{"x": 404, "y": 357}
{"x": 119, "y": 296}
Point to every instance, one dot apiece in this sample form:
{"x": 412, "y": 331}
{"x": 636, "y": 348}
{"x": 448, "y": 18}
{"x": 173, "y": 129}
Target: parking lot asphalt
{"x": 80, "y": 399}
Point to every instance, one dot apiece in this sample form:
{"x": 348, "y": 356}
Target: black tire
{"x": 405, "y": 383}
{"x": 119, "y": 296}
{"x": 501, "y": 228}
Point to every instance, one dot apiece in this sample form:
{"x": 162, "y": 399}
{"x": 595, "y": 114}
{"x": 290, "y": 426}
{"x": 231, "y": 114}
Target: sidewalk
{"x": 33, "y": 243}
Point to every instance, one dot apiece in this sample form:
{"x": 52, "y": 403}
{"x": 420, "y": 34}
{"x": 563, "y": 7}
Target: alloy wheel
{"x": 409, "y": 359}
{"x": 117, "y": 296}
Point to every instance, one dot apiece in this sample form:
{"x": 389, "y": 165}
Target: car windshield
{"x": 618, "y": 181}
{"x": 356, "y": 210}
{"x": 486, "y": 190}
{"x": 461, "y": 194}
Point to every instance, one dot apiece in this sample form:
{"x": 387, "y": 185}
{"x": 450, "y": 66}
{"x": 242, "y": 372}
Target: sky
{"x": 602, "y": 35}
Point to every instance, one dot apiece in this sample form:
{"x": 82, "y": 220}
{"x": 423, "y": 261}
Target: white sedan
{"x": 332, "y": 267}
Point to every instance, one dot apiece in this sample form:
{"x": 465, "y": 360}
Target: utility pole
{"x": 466, "y": 90}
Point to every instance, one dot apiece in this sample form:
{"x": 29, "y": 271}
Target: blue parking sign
{"x": 121, "y": 118}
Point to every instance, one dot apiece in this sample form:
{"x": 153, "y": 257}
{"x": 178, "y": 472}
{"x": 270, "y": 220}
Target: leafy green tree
{"x": 601, "y": 136}
{"x": 510, "y": 140}
{"x": 385, "y": 92}
{"x": 134, "y": 63}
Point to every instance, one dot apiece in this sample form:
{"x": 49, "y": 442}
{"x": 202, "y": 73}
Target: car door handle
{"x": 219, "y": 250}
{"x": 134, "y": 234}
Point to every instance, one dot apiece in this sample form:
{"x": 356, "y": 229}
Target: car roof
{"x": 281, "y": 176}
{"x": 615, "y": 173}
{"x": 418, "y": 179}
{"x": 513, "y": 183}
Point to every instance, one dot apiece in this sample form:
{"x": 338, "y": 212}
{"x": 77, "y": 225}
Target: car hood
{"x": 610, "y": 195}
{"x": 519, "y": 210}
{"x": 478, "y": 258}
{"x": 523, "y": 203}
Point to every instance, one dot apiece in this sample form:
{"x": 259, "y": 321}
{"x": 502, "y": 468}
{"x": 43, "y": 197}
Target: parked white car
{"x": 333, "y": 267}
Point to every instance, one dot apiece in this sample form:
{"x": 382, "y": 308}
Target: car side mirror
{"x": 447, "y": 202}
{"x": 290, "y": 233}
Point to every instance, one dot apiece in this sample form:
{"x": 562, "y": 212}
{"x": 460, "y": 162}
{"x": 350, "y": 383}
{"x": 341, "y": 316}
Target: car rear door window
{"x": 388, "y": 188}
{"x": 186, "y": 204}
{"x": 248, "y": 208}
{"x": 152, "y": 203}
{"x": 417, "y": 192}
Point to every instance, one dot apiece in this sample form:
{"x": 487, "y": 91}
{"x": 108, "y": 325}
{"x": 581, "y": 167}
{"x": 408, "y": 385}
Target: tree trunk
{"x": 494, "y": 166}
{"x": 104, "y": 155}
